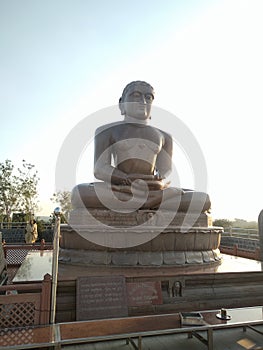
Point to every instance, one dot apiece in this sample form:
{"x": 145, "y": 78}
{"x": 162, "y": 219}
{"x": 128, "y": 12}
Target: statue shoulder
{"x": 167, "y": 137}
{"x": 107, "y": 128}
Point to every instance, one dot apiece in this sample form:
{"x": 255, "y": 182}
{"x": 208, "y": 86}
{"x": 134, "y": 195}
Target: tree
{"x": 18, "y": 189}
{"x": 8, "y": 189}
{"x": 63, "y": 198}
{"x": 237, "y": 223}
{"x": 28, "y": 182}
{"x": 225, "y": 223}
{"x": 241, "y": 223}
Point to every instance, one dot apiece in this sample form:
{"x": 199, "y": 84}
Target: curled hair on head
{"x": 126, "y": 89}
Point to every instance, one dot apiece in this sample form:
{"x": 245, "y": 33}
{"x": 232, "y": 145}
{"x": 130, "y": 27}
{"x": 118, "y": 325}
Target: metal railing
{"x": 17, "y": 225}
{"x": 241, "y": 232}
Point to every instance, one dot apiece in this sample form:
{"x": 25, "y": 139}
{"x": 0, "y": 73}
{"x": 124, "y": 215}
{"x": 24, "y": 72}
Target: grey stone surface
{"x": 194, "y": 257}
{"x": 208, "y": 256}
{"x": 174, "y": 258}
{"x": 148, "y": 217}
{"x": 172, "y": 247}
{"x": 195, "y": 239}
{"x": 150, "y": 258}
{"x": 124, "y": 258}
{"x": 80, "y": 257}
{"x": 134, "y": 258}
{"x": 100, "y": 257}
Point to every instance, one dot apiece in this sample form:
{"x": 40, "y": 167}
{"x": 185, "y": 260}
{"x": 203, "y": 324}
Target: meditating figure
{"x": 132, "y": 160}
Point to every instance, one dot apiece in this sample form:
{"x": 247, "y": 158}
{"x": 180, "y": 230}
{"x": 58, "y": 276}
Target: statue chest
{"x": 138, "y": 135}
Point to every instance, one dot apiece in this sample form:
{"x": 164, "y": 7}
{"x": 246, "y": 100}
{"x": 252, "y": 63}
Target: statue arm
{"x": 164, "y": 159}
{"x": 103, "y": 169}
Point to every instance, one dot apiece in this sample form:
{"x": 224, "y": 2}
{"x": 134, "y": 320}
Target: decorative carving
{"x": 175, "y": 288}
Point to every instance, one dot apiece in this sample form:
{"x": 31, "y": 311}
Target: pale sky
{"x": 63, "y": 61}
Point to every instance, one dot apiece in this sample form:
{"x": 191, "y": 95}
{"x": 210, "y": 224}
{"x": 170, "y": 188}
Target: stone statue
{"x": 132, "y": 160}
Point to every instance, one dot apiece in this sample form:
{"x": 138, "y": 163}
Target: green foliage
{"x": 8, "y": 189}
{"x": 28, "y": 188}
{"x": 19, "y": 217}
{"x": 225, "y": 223}
{"x": 18, "y": 189}
{"x": 240, "y": 223}
{"x": 237, "y": 223}
{"x": 63, "y": 199}
{"x": 40, "y": 226}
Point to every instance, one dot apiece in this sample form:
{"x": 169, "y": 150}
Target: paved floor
{"x": 230, "y": 339}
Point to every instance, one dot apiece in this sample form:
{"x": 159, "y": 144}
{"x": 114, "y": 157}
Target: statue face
{"x": 138, "y": 101}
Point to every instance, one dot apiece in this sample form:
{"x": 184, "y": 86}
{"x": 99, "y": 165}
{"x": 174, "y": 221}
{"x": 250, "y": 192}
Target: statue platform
{"x": 179, "y": 269}
{"x": 174, "y": 268}
{"x": 141, "y": 238}
{"x": 231, "y": 282}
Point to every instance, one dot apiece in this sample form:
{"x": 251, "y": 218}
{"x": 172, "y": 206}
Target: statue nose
{"x": 143, "y": 99}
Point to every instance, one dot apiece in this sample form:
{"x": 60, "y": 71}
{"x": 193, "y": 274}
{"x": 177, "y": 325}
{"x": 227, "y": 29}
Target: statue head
{"x": 136, "y": 100}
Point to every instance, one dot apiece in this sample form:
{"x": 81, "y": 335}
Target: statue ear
{"x": 121, "y": 106}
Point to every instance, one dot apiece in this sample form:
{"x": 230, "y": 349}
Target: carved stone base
{"x": 137, "y": 258}
{"x": 170, "y": 247}
{"x": 139, "y": 217}
{"x": 140, "y": 238}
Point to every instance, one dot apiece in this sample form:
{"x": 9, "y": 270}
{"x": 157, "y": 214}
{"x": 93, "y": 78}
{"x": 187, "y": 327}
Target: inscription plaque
{"x": 101, "y": 297}
{"x": 144, "y": 293}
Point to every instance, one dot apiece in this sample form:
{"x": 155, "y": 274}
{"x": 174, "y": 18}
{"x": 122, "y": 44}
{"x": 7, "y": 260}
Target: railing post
{"x": 57, "y": 213}
{"x": 260, "y": 233}
{"x": 45, "y": 300}
{"x": 257, "y": 254}
{"x": 4, "y": 248}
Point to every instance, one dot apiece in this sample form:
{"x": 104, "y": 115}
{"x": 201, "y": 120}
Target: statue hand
{"x": 152, "y": 182}
{"x": 132, "y": 177}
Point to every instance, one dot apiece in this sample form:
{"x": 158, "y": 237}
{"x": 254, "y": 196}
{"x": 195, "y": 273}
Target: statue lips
{"x": 141, "y": 111}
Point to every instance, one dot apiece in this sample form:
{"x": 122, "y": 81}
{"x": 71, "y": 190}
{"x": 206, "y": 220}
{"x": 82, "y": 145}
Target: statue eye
{"x": 149, "y": 97}
{"x": 136, "y": 95}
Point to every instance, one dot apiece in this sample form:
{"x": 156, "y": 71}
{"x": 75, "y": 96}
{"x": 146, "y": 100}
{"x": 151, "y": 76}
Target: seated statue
{"x": 132, "y": 160}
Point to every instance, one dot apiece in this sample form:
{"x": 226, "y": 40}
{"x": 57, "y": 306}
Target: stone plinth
{"x": 101, "y": 217}
{"x": 143, "y": 238}
{"x": 231, "y": 282}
